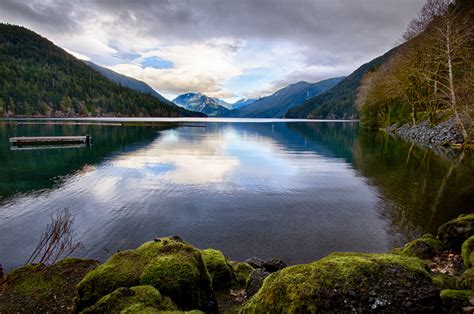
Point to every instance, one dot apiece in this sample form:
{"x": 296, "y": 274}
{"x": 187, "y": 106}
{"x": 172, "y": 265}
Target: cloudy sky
{"x": 223, "y": 48}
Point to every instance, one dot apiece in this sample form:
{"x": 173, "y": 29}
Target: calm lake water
{"x": 296, "y": 191}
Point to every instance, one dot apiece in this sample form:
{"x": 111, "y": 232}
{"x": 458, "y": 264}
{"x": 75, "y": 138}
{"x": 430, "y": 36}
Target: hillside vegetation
{"x": 431, "y": 77}
{"x": 338, "y": 102}
{"x": 39, "y": 78}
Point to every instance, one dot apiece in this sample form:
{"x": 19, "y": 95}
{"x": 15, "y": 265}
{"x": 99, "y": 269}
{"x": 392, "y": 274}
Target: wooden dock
{"x": 50, "y": 140}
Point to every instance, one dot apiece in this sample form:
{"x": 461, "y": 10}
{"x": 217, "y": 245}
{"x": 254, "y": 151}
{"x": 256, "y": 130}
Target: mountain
{"x": 39, "y": 78}
{"x": 127, "y": 81}
{"x": 339, "y": 101}
{"x": 277, "y": 104}
{"x": 212, "y": 107}
{"x": 242, "y": 103}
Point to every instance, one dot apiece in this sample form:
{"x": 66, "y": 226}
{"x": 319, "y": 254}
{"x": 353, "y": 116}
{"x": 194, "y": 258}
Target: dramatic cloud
{"x": 223, "y": 48}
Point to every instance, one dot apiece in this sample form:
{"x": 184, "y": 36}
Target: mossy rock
{"x": 39, "y": 289}
{"x": 125, "y": 299}
{"x": 455, "y": 232}
{"x": 467, "y": 279}
{"x": 222, "y": 273}
{"x": 445, "y": 281}
{"x": 467, "y": 250}
{"x": 349, "y": 282}
{"x": 242, "y": 272}
{"x": 455, "y": 300}
{"x": 173, "y": 267}
{"x": 425, "y": 247}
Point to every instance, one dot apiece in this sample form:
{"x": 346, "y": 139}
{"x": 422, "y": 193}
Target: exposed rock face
{"x": 255, "y": 262}
{"x": 274, "y": 265}
{"x": 176, "y": 269}
{"x": 445, "y": 133}
{"x": 345, "y": 282}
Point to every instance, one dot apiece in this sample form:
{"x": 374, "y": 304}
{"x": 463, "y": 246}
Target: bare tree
{"x": 57, "y": 240}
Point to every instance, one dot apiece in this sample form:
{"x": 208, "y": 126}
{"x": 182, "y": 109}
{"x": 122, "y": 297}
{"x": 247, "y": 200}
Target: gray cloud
{"x": 346, "y": 33}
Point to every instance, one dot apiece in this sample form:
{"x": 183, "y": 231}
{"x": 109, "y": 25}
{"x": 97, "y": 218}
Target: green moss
{"x": 124, "y": 298}
{"x": 456, "y": 231}
{"x": 424, "y": 248}
{"x": 331, "y": 283}
{"x": 455, "y": 300}
{"x": 445, "y": 281}
{"x": 40, "y": 288}
{"x": 172, "y": 266}
{"x": 140, "y": 308}
{"x": 467, "y": 279}
{"x": 242, "y": 272}
{"x": 468, "y": 252}
{"x": 222, "y": 273}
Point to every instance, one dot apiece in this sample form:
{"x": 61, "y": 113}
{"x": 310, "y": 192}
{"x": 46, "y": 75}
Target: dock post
{"x": 88, "y": 140}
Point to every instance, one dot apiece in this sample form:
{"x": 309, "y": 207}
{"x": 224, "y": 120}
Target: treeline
{"x": 431, "y": 76}
{"x": 39, "y": 78}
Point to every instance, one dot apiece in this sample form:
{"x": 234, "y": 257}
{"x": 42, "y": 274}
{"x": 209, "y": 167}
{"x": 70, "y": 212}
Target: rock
{"x": 222, "y": 273}
{"x": 274, "y": 265}
{"x": 467, "y": 279}
{"x": 455, "y": 300}
{"x": 176, "y": 269}
{"x": 425, "y": 247}
{"x": 467, "y": 250}
{"x": 242, "y": 272}
{"x": 255, "y": 262}
{"x": 44, "y": 289}
{"x": 126, "y": 299}
{"x": 349, "y": 282}
{"x": 255, "y": 281}
{"x": 455, "y": 232}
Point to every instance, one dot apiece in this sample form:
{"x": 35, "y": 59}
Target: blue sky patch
{"x": 158, "y": 63}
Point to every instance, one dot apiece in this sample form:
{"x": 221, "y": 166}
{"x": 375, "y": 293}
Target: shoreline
{"x": 428, "y": 274}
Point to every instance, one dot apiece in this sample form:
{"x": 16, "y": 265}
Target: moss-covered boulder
{"x": 242, "y": 272}
{"x": 40, "y": 289}
{"x": 173, "y": 267}
{"x": 425, "y": 247}
{"x": 349, "y": 282}
{"x": 455, "y": 232}
{"x": 221, "y": 271}
{"x": 467, "y": 279}
{"x": 122, "y": 299}
{"x": 455, "y": 300}
{"x": 468, "y": 252}
{"x": 445, "y": 281}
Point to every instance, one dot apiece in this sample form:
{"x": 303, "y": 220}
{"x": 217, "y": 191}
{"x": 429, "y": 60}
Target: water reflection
{"x": 293, "y": 190}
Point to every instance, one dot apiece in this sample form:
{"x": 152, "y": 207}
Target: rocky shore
{"x": 432, "y": 274}
{"x": 446, "y": 133}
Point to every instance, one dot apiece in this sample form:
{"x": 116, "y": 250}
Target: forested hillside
{"x": 431, "y": 77}
{"x": 339, "y": 101}
{"x": 39, "y": 78}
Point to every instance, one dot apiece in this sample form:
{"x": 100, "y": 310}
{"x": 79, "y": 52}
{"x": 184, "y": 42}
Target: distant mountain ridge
{"x": 212, "y": 107}
{"x": 39, "y": 78}
{"x": 126, "y": 81}
{"x": 339, "y": 101}
{"x": 239, "y": 104}
{"x": 278, "y": 104}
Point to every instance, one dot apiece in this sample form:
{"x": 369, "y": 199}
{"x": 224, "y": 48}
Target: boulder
{"x": 255, "y": 262}
{"x": 255, "y": 281}
{"x": 455, "y": 300}
{"x": 242, "y": 272}
{"x": 274, "y": 265}
{"x": 38, "y": 288}
{"x": 455, "y": 232}
{"x": 425, "y": 247}
{"x": 467, "y": 250}
{"x": 222, "y": 273}
{"x": 146, "y": 298}
{"x": 175, "y": 268}
{"x": 349, "y": 282}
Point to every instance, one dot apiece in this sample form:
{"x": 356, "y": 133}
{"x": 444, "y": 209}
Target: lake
{"x": 268, "y": 188}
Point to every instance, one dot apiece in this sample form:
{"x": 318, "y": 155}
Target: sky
{"x": 229, "y": 49}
